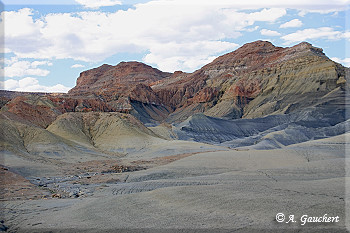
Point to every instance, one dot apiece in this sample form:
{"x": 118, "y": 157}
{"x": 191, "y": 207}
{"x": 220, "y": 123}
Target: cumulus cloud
{"x": 188, "y": 56}
{"x": 252, "y": 29}
{"x": 344, "y": 62}
{"x": 77, "y": 66}
{"x": 321, "y": 6}
{"x": 21, "y": 31}
{"x": 21, "y": 22}
{"x": 292, "y": 24}
{"x": 30, "y": 84}
{"x": 313, "y": 33}
{"x": 95, "y": 4}
{"x": 95, "y": 36}
{"x": 16, "y": 68}
{"x": 266, "y": 32}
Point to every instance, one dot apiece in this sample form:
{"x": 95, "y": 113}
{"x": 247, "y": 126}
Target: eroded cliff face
{"x": 42, "y": 110}
{"x": 112, "y": 82}
{"x": 256, "y": 80}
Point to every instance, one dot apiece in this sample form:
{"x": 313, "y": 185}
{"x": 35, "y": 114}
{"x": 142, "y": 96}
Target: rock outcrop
{"x": 113, "y": 82}
{"x": 256, "y": 80}
{"x": 42, "y": 110}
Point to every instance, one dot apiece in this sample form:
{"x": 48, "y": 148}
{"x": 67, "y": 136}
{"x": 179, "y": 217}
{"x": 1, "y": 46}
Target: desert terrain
{"x": 257, "y": 132}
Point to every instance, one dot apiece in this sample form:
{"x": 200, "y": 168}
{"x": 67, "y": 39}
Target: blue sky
{"x": 47, "y": 43}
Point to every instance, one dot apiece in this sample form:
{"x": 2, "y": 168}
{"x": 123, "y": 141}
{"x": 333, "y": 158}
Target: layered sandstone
{"x": 113, "y": 82}
{"x": 256, "y": 80}
{"x": 42, "y": 110}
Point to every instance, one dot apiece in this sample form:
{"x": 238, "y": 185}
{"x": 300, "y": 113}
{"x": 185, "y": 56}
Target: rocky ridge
{"x": 256, "y": 80}
{"x": 253, "y": 82}
{"x": 119, "y": 84}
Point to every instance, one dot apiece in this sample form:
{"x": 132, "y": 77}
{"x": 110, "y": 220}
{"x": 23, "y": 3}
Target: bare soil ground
{"x": 162, "y": 190}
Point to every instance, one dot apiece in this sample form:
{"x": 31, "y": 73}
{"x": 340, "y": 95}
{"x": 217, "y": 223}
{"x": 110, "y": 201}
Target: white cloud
{"x": 252, "y": 29}
{"x": 186, "y": 56}
{"x": 41, "y": 63}
{"x": 346, "y": 35}
{"x": 315, "y": 6}
{"x": 292, "y": 24}
{"x": 16, "y": 68}
{"x": 266, "y": 32}
{"x": 77, "y": 66}
{"x": 95, "y": 36}
{"x": 29, "y": 84}
{"x": 21, "y": 33}
{"x": 344, "y": 62}
{"x": 22, "y": 23}
{"x": 313, "y": 33}
{"x": 255, "y": 4}
{"x": 10, "y": 84}
{"x": 95, "y": 4}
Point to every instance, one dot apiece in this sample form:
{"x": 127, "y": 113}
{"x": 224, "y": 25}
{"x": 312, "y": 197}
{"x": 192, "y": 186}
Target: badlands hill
{"x": 111, "y": 132}
{"x": 256, "y": 80}
{"x": 258, "y": 131}
{"x": 259, "y": 95}
{"x": 72, "y": 135}
{"x": 287, "y": 93}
